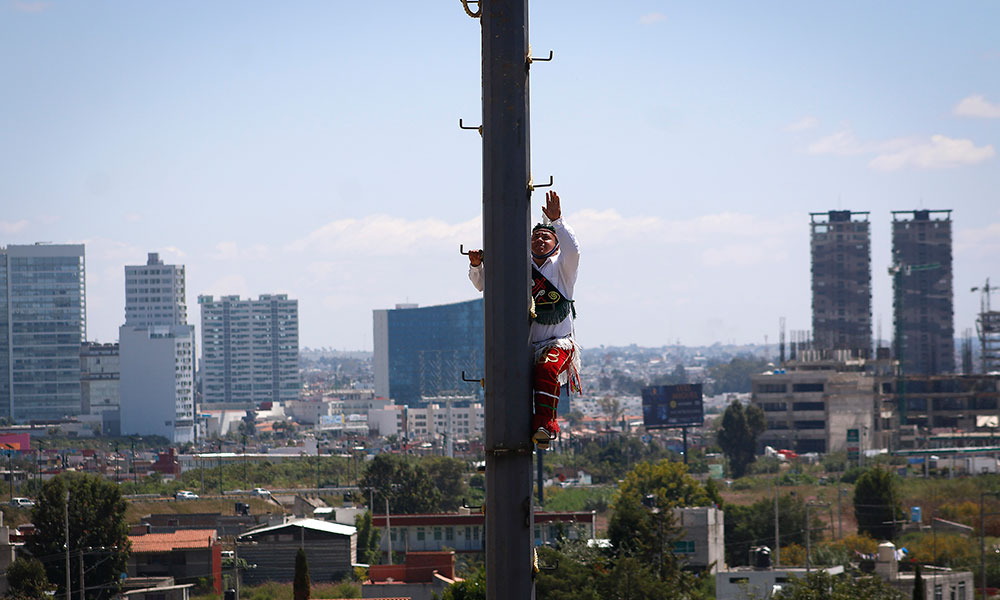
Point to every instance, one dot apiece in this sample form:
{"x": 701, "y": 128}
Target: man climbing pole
{"x": 555, "y": 257}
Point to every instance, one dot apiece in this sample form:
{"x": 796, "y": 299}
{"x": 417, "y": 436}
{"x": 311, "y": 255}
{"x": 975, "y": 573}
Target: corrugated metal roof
{"x": 312, "y": 524}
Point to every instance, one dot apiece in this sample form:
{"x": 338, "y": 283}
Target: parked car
{"x": 185, "y": 495}
{"x": 22, "y": 502}
{"x": 261, "y": 492}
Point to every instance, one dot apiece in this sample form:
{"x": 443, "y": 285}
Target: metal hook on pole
{"x": 532, "y": 185}
{"x": 479, "y": 128}
{"x": 475, "y": 14}
{"x": 532, "y": 59}
{"x": 461, "y": 250}
{"x": 481, "y": 382}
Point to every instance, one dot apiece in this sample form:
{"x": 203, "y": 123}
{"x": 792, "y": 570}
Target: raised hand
{"x": 552, "y": 208}
{"x": 475, "y": 257}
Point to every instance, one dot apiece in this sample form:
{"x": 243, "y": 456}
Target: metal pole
{"x": 66, "y": 519}
{"x": 684, "y": 430}
{"x": 808, "y": 546}
{"x": 82, "y": 586}
{"x": 506, "y": 224}
{"x": 540, "y": 483}
{"x": 388, "y": 529}
{"x": 840, "y": 521}
{"x": 236, "y": 567}
{"x": 777, "y": 536}
{"x": 982, "y": 541}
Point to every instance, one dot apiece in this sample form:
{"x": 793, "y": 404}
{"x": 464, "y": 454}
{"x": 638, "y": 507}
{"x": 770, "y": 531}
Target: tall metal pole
{"x": 506, "y": 224}
{"x": 69, "y": 590}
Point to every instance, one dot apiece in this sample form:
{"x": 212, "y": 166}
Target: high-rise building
{"x": 841, "y": 282}
{"x": 422, "y": 352}
{"x": 154, "y": 294}
{"x": 157, "y": 381}
{"x": 157, "y": 353}
{"x": 923, "y": 312}
{"x": 250, "y": 349}
{"x": 43, "y": 321}
{"x": 100, "y": 393}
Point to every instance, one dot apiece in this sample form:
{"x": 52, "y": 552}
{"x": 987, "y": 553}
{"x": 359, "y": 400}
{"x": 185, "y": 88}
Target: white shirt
{"x": 560, "y": 269}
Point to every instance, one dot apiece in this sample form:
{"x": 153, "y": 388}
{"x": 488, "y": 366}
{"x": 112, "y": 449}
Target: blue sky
{"x": 312, "y": 148}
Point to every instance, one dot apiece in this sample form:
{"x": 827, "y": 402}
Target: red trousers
{"x": 546, "y": 384}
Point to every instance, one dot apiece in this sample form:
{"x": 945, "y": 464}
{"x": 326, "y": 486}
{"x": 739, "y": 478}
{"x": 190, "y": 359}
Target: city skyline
{"x": 316, "y": 152}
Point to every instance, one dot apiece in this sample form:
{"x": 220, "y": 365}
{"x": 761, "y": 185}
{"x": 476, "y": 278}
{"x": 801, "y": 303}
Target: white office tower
{"x": 157, "y": 354}
{"x": 250, "y": 350}
{"x": 154, "y": 294}
{"x": 43, "y": 321}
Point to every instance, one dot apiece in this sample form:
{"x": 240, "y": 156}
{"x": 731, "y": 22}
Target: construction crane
{"x": 988, "y": 328}
{"x": 899, "y": 270}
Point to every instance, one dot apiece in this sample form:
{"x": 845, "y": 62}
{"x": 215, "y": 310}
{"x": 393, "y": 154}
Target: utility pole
{"x": 777, "y": 536}
{"x": 506, "y": 225}
{"x": 388, "y": 529}
{"x": 236, "y": 567}
{"x": 83, "y": 587}
{"x": 808, "y": 529}
{"x": 69, "y": 591}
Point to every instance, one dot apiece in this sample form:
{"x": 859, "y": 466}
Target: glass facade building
{"x": 42, "y": 324}
{"x": 421, "y": 352}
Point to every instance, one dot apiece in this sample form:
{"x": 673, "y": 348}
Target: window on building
{"x": 938, "y": 592}
{"x": 437, "y": 534}
{"x": 773, "y": 406}
{"x": 771, "y": 388}
{"x": 807, "y": 387}
{"x": 684, "y": 547}
{"x": 420, "y": 534}
{"x": 808, "y": 406}
{"x": 449, "y": 533}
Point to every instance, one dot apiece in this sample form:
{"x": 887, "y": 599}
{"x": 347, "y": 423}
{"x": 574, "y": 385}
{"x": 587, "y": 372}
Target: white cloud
{"x": 806, "y": 122}
{"x": 133, "y": 217}
{"x": 939, "y": 153}
{"x": 977, "y": 106}
{"x": 842, "y": 143}
{"x": 720, "y": 239}
{"x": 980, "y": 242}
{"x": 228, "y": 285}
{"x": 383, "y": 235}
{"x": 233, "y": 251}
{"x": 890, "y": 155}
{"x": 651, "y": 18}
{"x": 12, "y": 227}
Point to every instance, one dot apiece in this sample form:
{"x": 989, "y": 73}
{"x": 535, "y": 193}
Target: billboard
{"x": 666, "y": 406}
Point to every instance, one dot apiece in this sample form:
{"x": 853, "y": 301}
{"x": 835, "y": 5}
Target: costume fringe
{"x": 571, "y": 376}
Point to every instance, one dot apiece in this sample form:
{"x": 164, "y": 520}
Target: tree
{"x": 404, "y": 482}
{"x": 448, "y": 476}
{"x": 26, "y": 580}
{"x": 300, "y": 586}
{"x": 876, "y": 504}
{"x": 819, "y": 585}
{"x": 738, "y": 433}
{"x": 368, "y": 539}
{"x": 612, "y": 407}
{"x": 753, "y": 525}
{"x": 97, "y": 531}
{"x": 642, "y": 523}
{"x": 473, "y": 587}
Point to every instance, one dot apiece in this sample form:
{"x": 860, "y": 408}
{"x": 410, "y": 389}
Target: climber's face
{"x": 542, "y": 242}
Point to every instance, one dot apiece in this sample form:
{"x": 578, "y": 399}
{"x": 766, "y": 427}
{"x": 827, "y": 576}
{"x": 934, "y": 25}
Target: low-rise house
{"x": 422, "y": 576}
{"x": 187, "y": 555}
{"x": 331, "y": 550}
{"x": 464, "y": 532}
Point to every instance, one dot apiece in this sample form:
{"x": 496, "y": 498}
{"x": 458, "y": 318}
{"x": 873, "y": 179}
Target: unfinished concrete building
{"x": 841, "y": 283}
{"x": 923, "y": 311}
